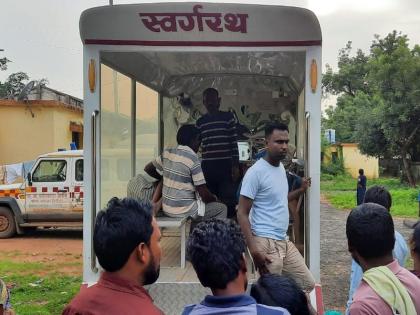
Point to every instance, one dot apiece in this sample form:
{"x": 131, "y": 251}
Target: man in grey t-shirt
{"x": 263, "y": 212}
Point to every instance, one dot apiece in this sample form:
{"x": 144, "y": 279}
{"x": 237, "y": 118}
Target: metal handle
{"x": 306, "y": 236}
{"x": 95, "y": 115}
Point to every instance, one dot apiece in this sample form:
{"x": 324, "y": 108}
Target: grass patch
{"x": 33, "y": 294}
{"x": 341, "y": 193}
{"x": 6, "y": 267}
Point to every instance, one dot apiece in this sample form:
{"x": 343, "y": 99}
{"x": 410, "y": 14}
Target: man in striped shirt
{"x": 183, "y": 178}
{"x": 219, "y": 149}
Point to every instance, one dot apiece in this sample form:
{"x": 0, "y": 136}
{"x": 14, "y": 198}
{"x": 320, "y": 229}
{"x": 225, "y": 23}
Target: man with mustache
{"x": 126, "y": 240}
{"x": 263, "y": 212}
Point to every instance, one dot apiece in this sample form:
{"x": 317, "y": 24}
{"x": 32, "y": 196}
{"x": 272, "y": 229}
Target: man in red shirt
{"x": 126, "y": 240}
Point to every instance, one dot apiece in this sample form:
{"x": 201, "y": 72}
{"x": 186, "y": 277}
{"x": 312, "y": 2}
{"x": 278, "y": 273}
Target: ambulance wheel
{"x": 7, "y": 223}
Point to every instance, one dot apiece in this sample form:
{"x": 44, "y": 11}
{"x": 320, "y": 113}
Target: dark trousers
{"x": 219, "y": 181}
{"x": 360, "y": 195}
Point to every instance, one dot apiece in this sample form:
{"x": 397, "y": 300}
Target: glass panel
{"x": 115, "y": 133}
{"x": 147, "y": 126}
{"x": 50, "y": 171}
{"x": 79, "y": 171}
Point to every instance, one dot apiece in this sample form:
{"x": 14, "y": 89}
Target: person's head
{"x": 415, "y": 247}
{"x": 216, "y": 248}
{"x": 277, "y": 290}
{"x": 361, "y": 171}
{"x": 276, "y": 140}
{"x": 127, "y": 237}
{"x": 370, "y": 234}
{"x": 211, "y": 100}
{"x": 379, "y": 195}
{"x": 189, "y": 135}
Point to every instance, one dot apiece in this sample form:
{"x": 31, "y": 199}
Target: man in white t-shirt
{"x": 263, "y": 212}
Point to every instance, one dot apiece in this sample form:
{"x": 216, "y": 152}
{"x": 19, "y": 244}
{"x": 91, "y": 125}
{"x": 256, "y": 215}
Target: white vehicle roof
{"x": 69, "y": 153}
{"x": 164, "y": 25}
{"x": 132, "y": 25}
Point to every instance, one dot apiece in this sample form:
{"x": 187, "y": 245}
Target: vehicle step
{"x": 52, "y": 224}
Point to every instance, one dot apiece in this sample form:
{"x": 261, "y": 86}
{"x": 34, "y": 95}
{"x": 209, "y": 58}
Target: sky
{"x": 42, "y": 38}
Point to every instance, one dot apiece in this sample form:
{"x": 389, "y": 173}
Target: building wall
{"x": 61, "y": 127}
{"x": 328, "y": 152}
{"x": 354, "y": 160}
{"x": 23, "y": 137}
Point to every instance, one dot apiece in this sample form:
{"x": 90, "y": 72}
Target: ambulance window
{"x": 104, "y": 170}
{"x": 79, "y": 170}
{"x": 123, "y": 173}
{"x": 50, "y": 171}
{"x": 147, "y": 126}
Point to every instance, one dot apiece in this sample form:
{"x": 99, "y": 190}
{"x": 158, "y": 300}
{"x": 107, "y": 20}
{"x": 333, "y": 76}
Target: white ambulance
{"x": 50, "y": 196}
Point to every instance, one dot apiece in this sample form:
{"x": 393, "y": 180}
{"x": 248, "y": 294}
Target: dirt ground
{"x": 63, "y": 248}
{"x": 57, "y": 247}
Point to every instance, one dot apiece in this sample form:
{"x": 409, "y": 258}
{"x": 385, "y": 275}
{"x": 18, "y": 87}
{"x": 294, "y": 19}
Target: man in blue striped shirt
{"x": 220, "y": 157}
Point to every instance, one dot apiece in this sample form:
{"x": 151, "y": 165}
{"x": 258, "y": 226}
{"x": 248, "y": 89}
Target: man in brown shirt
{"x": 126, "y": 240}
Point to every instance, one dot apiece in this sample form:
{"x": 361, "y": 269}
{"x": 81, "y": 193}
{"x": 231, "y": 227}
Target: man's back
{"x": 367, "y": 301}
{"x": 400, "y": 253}
{"x": 218, "y": 135}
{"x": 181, "y": 173}
{"x": 238, "y": 304}
{"x": 112, "y": 295}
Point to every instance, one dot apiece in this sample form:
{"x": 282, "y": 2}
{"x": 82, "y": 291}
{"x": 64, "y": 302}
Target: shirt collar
{"x": 114, "y": 282}
{"x": 394, "y": 266}
{"x": 228, "y": 301}
{"x": 185, "y": 147}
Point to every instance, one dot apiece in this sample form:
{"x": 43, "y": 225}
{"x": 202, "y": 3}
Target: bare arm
{"x": 157, "y": 198}
{"x": 205, "y": 194}
{"x": 244, "y": 208}
{"x": 151, "y": 170}
{"x": 306, "y": 182}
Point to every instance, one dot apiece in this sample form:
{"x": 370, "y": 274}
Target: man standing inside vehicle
{"x": 264, "y": 216}
{"x": 220, "y": 157}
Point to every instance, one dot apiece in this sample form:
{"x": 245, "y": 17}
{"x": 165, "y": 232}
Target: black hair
{"x": 210, "y": 91}
{"x": 379, "y": 195}
{"x": 216, "y": 249}
{"x": 370, "y": 231}
{"x": 361, "y": 171}
{"x": 415, "y": 239}
{"x": 119, "y": 228}
{"x": 269, "y": 128}
{"x": 277, "y": 290}
{"x": 186, "y": 134}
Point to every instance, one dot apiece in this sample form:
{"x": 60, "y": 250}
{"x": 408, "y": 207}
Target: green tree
{"x": 347, "y": 82}
{"x": 378, "y": 102}
{"x": 3, "y": 63}
{"x": 15, "y": 82}
{"x": 351, "y": 75}
{"x": 394, "y": 75}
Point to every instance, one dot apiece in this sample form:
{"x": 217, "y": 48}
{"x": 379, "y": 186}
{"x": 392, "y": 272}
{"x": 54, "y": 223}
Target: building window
{"x": 77, "y": 139}
{"x": 334, "y": 157}
{"x": 76, "y": 130}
